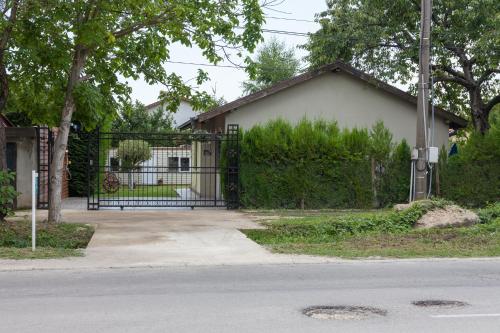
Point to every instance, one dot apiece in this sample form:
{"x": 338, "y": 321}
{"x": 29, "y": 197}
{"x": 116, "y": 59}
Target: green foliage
{"x": 395, "y": 180}
{"x": 316, "y": 165}
{"x": 382, "y": 37}
{"x": 135, "y": 118}
{"x": 329, "y": 228}
{"x": 77, "y": 150}
{"x": 490, "y": 213}
{"x": 62, "y": 235}
{"x": 132, "y": 153}
{"x": 7, "y": 194}
{"x": 472, "y": 176}
{"x": 274, "y": 63}
{"x": 114, "y": 40}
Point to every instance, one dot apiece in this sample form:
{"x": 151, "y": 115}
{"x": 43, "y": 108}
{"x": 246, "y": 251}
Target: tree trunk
{"x": 479, "y": 112}
{"x": 4, "y": 92}
{"x": 61, "y": 141}
{"x": 4, "y": 83}
{"x": 3, "y": 150}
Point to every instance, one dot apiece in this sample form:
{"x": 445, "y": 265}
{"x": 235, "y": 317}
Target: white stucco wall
{"x": 340, "y": 97}
{"x": 26, "y": 162}
{"x": 183, "y": 113}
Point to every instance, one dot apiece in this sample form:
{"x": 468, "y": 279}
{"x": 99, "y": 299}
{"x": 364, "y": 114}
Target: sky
{"x": 227, "y": 81}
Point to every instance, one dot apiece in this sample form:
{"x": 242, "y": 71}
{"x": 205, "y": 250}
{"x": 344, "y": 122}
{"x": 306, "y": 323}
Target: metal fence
{"x": 45, "y": 146}
{"x": 163, "y": 169}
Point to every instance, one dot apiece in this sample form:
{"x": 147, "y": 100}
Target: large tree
{"x": 71, "y": 54}
{"x": 382, "y": 37}
{"x": 136, "y": 118}
{"x": 8, "y": 19}
{"x": 274, "y": 63}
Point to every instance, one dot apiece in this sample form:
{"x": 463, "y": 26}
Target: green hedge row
{"x": 472, "y": 177}
{"x": 317, "y": 165}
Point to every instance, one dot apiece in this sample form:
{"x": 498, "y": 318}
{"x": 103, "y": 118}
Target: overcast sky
{"x": 227, "y": 81}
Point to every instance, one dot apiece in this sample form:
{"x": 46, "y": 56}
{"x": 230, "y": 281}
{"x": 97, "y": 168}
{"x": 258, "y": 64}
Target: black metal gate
{"x": 163, "y": 169}
{"x": 45, "y": 146}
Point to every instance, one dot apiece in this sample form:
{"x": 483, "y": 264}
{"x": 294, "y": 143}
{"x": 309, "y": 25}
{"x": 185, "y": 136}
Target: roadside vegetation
{"x": 53, "y": 240}
{"x": 380, "y": 234}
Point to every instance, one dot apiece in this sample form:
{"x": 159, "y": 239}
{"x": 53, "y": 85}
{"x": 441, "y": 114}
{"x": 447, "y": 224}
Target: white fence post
{"x": 34, "y": 185}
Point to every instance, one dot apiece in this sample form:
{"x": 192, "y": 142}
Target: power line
{"x": 215, "y": 65}
{"x": 205, "y": 64}
{"x": 290, "y": 19}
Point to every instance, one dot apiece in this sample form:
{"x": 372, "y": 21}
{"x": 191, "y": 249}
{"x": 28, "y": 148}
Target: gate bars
{"x": 163, "y": 169}
{"x": 44, "y": 147}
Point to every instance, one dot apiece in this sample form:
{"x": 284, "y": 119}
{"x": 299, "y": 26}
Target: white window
{"x": 184, "y": 164}
{"x": 173, "y": 164}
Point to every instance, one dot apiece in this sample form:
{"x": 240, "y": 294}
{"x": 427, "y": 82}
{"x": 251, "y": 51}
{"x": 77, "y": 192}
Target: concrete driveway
{"x": 138, "y": 238}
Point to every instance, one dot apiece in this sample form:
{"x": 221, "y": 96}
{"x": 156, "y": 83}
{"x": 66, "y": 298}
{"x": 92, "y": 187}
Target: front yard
{"x": 142, "y": 191}
{"x": 53, "y": 241}
{"x": 375, "y": 234}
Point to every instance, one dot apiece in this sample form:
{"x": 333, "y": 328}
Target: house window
{"x": 173, "y": 164}
{"x": 184, "y": 163}
{"x": 114, "y": 163}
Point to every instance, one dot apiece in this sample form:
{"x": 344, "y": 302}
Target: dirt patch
{"x": 449, "y": 216}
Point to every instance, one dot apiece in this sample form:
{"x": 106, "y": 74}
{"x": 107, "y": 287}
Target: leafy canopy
{"x": 274, "y": 63}
{"x": 382, "y": 37}
{"x": 136, "y": 118}
{"x": 132, "y": 153}
{"x": 118, "y": 40}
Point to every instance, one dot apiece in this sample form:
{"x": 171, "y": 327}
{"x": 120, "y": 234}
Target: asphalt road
{"x": 257, "y": 298}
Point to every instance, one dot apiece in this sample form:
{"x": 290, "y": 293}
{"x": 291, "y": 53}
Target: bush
{"x": 132, "y": 153}
{"x": 78, "y": 156}
{"x": 471, "y": 177}
{"x": 316, "y": 165}
{"x": 7, "y": 194}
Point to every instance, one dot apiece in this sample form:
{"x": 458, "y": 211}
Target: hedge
{"x": 472, "y": 177}
{"x": 316, "y": 165}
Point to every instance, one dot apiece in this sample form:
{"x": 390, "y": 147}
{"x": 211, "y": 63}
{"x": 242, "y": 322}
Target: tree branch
{"x": 140, "y": 25}
{"x": 486, "y": 74}
{"x": 8, "y": 29}
{"x": 494, "y": 101}
{"x": 458, "y": 80}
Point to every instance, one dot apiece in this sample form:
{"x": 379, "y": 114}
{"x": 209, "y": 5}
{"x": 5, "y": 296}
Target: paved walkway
{"x": 138, "y": 238}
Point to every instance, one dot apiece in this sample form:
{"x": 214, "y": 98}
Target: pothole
{"x": 343, "y": 312}
{"x": 439, "y": 303}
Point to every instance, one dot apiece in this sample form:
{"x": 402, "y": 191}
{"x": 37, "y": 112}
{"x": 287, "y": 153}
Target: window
{"x": 115, "y": 164}
{"x": 184, "y": 163}
{"x": 173, "y": 164}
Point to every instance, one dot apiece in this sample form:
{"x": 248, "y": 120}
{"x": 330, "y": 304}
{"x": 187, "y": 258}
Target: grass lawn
{"x": 53, "y": 241}
{"x": 361, "y": 235}
{"x": 143, "y": 191}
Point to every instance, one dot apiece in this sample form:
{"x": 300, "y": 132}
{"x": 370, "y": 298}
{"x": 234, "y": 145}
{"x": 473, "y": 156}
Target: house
{"x": 334, "y": 92}
{"x": 183, "y": 114}
{"x": 167, "y": 165}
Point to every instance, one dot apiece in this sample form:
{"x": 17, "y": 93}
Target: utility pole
{"x": 423, "y": 101}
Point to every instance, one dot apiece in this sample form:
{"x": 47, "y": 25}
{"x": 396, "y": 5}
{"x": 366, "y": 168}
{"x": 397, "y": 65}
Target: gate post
{"x": 233, "y": 165}
{"x": 92, "y": 169}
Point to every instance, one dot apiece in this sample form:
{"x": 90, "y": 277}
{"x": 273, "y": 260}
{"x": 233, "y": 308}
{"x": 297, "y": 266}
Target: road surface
{"x": 252, "y": 298}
